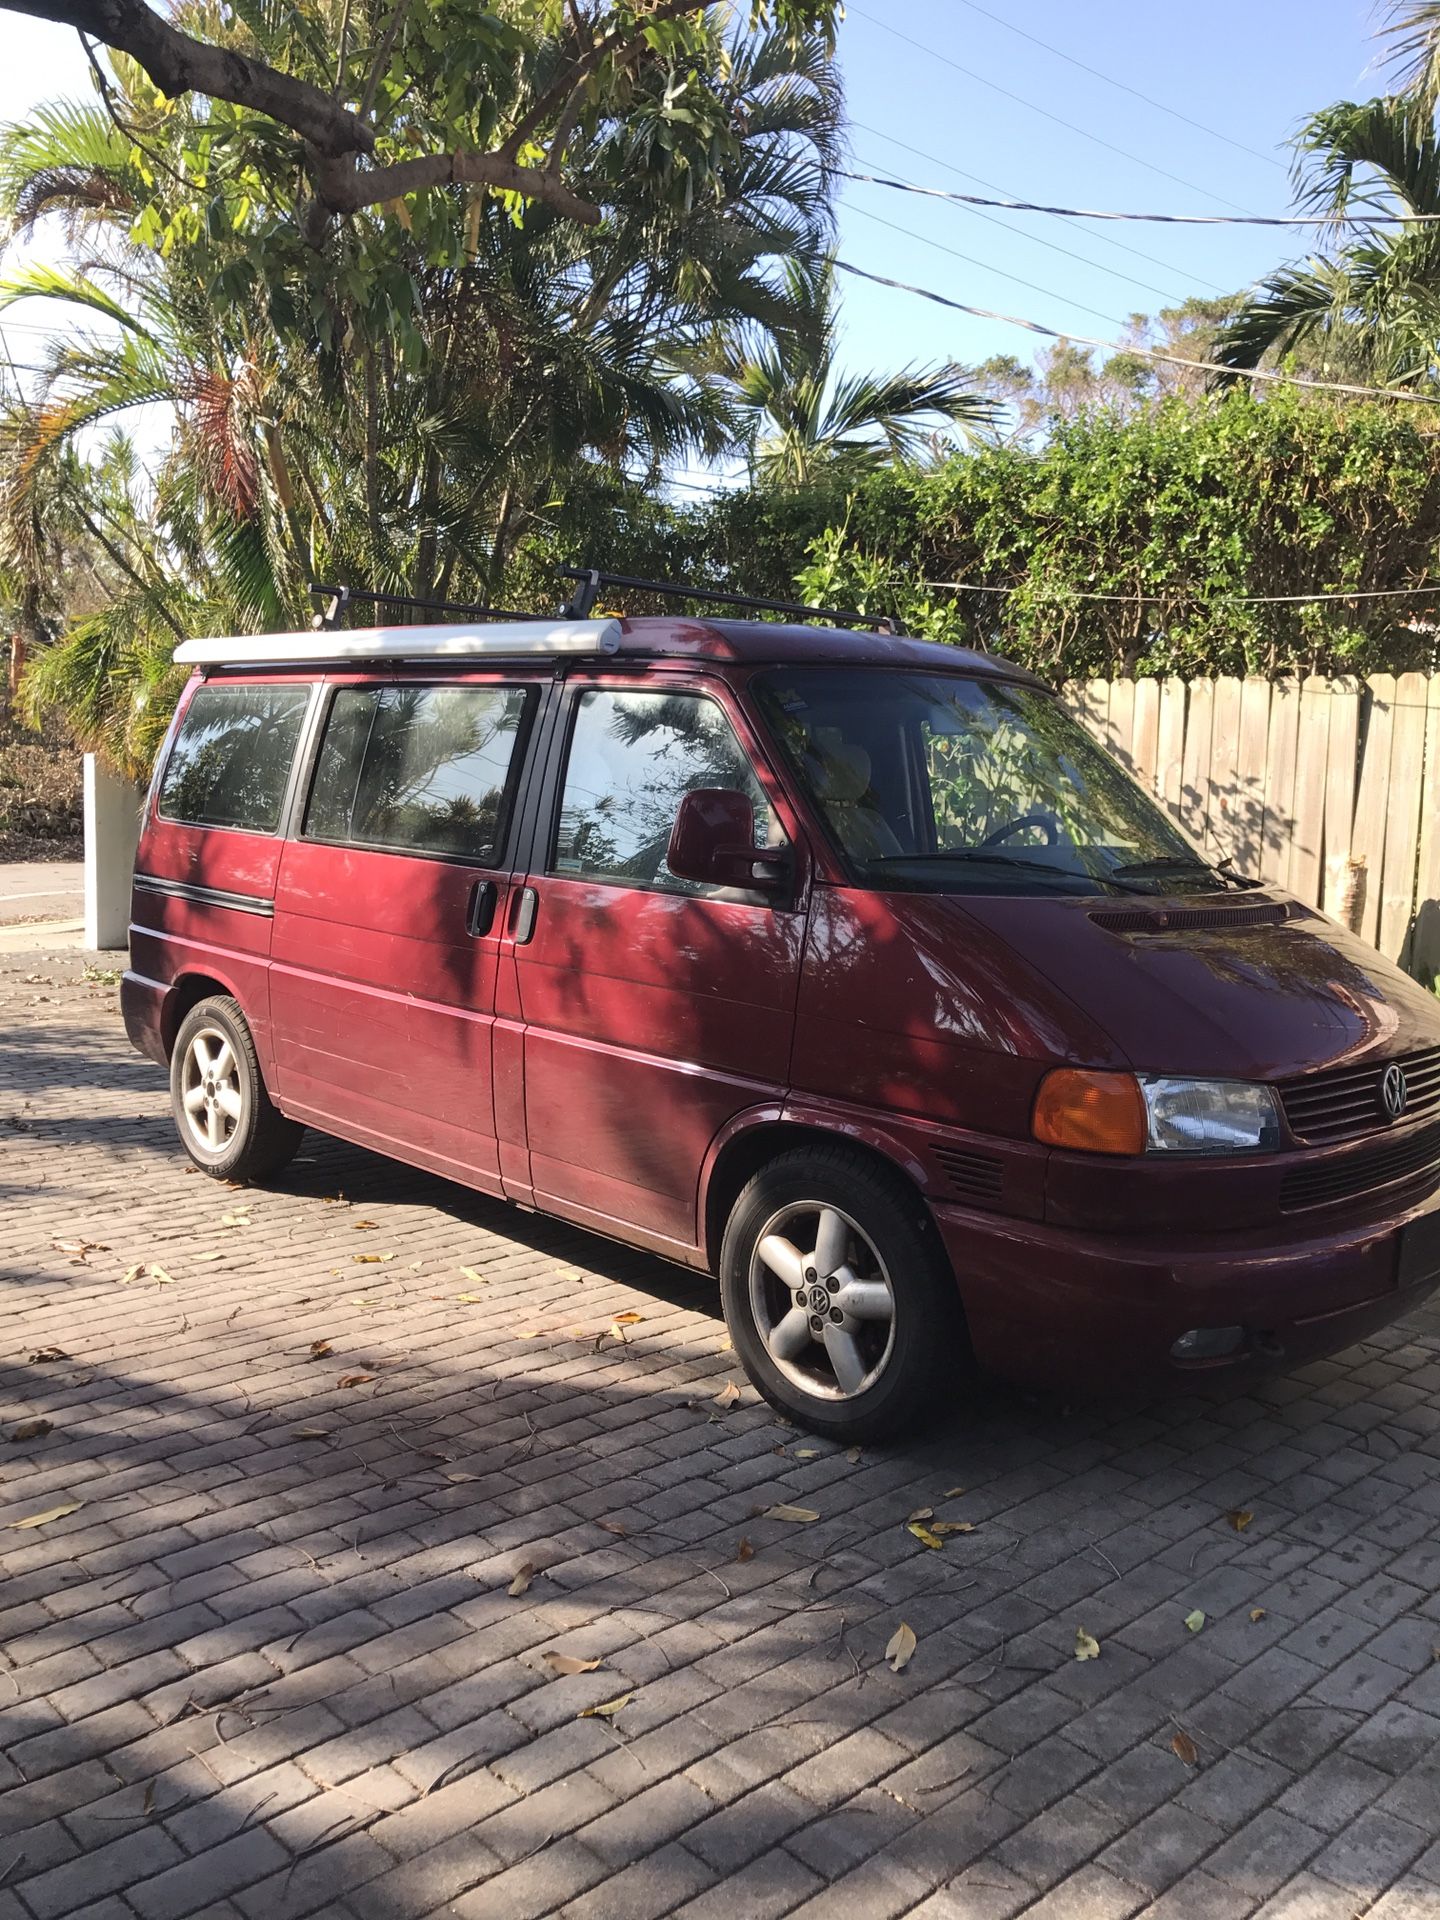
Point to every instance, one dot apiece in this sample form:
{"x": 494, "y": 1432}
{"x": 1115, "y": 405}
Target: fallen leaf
{"x": 565, "y": 1663}
{"x": 364, "y": 1226}
{"x": 356, "y": 1379}
{"x": 852, "y": 1454}
{"x": 364, "y": 1300}
{"x": 920, "y": 1513}
{"x": 1184, "y": 1748}
{"x": 790, "y": 1513}
{"x": 807, "y": 1453}
{"x": 943, "y": 1527}
{"x": 469, "y": 1299}
{"x": 614, "y": 1526}
{"x": 521, "y": 1583}
{"x": 1087, "y": 1647}
{"x": 214, "y": 1254}
{"x": 953, "y": 1493}
{"x": 528, "y": 1333}
{"x": 50, "y": 1513}
{"x": 629, "y": 1320}
{"x": 235, "y": 1220}
{"x": 727, "y": 1395}
{"x": 1240, "y": 1520}
{"x": 900, "y": 1647}
{"x": 32, "y": 1430}
{"x": 43, "y": 1356}
{"x": 924, "y": 1534}
{"x": 132, "y": 1274}
{"x": 476, "y": 1279}
{"x": 1195, "y": 1621}
{"x": 1257, "y": 1614}
{"x": 371, "y": 1259}
{"x": 606, "y": 1710}
{"x": 320, "y": 1349}
{"x": 744, "y": 1551}
{"x": 160, "y": 1276}
{"x": 310, "y": 1433}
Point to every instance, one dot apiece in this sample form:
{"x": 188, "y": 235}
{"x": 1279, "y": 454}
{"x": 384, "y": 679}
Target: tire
{"x": 880, "y": 1369}
{"x": 226, "y": 1120}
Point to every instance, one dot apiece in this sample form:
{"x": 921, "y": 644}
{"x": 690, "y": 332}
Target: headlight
{"x": 1208, "y": 1116}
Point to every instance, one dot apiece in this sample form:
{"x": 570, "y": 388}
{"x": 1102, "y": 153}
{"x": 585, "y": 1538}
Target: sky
{"x": 951, "y": 93}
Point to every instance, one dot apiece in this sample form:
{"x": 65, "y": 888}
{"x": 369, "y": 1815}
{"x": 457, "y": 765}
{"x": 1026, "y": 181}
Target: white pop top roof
{"x": 493, "y": 640}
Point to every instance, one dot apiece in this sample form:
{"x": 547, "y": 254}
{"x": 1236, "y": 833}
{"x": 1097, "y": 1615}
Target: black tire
{"x": 253, "y": 1139}
{"x": 904, "y": 1364}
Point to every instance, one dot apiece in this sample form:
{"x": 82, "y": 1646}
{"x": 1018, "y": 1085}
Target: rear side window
{"x": 633, "y": 757}
{"x": 231, "y": 760}
{"x": 418, "y": 769}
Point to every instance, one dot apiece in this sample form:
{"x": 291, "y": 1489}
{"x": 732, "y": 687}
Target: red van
{"x": 843, "y": 965}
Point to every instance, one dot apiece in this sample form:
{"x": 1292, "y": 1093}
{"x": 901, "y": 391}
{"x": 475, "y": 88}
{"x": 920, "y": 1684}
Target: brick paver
{"x": 271, "y": 1664}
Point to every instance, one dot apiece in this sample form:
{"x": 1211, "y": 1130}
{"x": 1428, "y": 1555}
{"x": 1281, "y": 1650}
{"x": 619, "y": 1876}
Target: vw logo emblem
{"x": 1394, "y": 1092}
{"x": 819, "y": 1300}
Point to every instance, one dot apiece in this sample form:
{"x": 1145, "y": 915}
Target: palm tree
{"x": 805, "y": 415}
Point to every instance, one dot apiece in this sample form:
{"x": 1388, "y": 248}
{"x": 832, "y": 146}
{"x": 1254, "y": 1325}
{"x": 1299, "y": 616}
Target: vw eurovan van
{"x": 845, "y": 966}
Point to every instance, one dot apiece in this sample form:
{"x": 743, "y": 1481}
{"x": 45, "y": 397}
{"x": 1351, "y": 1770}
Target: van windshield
{"x": 931, "y": 781}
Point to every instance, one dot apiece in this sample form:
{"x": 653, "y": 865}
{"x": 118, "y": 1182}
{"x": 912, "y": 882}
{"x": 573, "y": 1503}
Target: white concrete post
{"x": 112, "y": 830}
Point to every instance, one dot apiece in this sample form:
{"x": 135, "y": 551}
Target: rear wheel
{"x": 839, "y": 1301}
{"x": 226, "y": 1120}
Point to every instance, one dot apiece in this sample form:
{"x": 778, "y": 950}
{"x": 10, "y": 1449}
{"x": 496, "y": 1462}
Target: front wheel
{"x": 838, "y": 1298}
{"x": 226, "y": 1120}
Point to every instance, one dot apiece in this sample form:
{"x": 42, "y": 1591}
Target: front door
{"x": 391, "y": 899}
{"x": 654, "y": 1009}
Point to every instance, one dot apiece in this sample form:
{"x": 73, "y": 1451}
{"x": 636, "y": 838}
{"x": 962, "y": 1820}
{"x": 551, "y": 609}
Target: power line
{"x": 1039, "y": 240}
{"x": 1144, "y": 353}
{"x": 961, "y": 173}
{"x": 1020, "y": 100}
{"x": 1167, "y": 219}
{"x": 1124, "y": 86}
{"x": 971, "y": 261}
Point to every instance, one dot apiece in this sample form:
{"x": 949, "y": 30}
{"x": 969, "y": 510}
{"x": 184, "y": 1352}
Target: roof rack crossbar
{"x": 592, "y": 580}
{"x": 340, "y": 597}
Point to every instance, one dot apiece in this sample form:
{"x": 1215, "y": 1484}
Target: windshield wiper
{"x": 1016, "y": 862}
{"x": 1177, "y": 863}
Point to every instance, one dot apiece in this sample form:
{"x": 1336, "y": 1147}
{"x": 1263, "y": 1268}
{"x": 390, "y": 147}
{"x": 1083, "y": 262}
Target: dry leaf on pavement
{"x": 356, "y": 1379}
{"x": 627, "y": 1319}
{"x": 32, "y": 1430}
{"x": 1184, "y": 1748}
{"x": 1256, "y": 1615}
{"x": 900, "y": 1647}
{"x": 235, "y": 1219}
{"x": 1195, "y": 1621}
{"x": 606, "y": 1710}
{"x": 1241, "y": 1519}
{"x": 727, "y": 1395}
{"x": 925, "y": 1535}
{"x": 920, "y": 1513}
{"x": 50, "y": 1513}
{"x": 790, "y": 1513}
{"x": 1087, "y": 1647}
{"x": 524, "y": 1574}
{"x": 310, "y": 1433}
{"x": 320, "y": 1349}
{"x": 852, "y": 1454}
{"x": 42, "y": 1356}
{"x": 953, "y": 1493}
{"x": 565, "y": 1663}
{"x": 371, "y": 1259}
{"x": 744, "y": 1551}
{"x": 942, "y": 1527}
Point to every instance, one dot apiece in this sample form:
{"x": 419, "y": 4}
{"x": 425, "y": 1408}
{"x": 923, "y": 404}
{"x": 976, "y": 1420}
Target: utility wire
{"x": 1167, "y": 219}
{"x": 1020, "y": 100}
{"x": 1124, "y": 86}
{"x": 1144, "y": 353}
{"x": 985, "y": 266}
{"x": 1039, "y": 240}
{"x": 1105, "y": 239}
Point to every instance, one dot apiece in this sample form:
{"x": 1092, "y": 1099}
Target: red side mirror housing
{"x": 713, "y": 842}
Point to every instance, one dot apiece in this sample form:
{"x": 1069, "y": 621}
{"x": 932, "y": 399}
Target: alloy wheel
{"x": 822, "y": 1300}
{"x": 210, "y": 1092}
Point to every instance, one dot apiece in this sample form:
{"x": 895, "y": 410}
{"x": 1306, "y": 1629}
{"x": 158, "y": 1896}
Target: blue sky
{"x": 1250, "y": 69}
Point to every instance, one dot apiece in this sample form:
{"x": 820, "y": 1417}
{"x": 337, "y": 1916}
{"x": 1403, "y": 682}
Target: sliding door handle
{"x": 480, "y": 914}
{"x": 522, "y": 924}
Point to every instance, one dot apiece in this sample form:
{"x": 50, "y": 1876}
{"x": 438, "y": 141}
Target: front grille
{"x": 1344, "y": 1103}
{"x": 971, "y": 1176}
{"x": 1187, "y": 919}
{"x": 1403, "y": 1157}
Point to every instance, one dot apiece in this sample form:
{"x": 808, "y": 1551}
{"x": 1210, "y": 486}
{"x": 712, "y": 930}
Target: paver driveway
{"x": 278, "y": 1659}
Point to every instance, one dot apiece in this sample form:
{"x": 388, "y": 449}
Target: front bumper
{"x": 1062, "y": 1308}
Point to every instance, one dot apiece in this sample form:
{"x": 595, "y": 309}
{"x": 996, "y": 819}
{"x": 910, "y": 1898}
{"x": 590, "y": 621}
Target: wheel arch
{"x": 754, "y": 1138}
{"x": 187, "y": 990}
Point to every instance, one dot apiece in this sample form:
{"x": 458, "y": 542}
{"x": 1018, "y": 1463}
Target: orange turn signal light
{"x": 1091, "y": 1112}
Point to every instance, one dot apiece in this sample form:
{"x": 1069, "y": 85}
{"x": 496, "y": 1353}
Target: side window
{"x": 418, "y": 769}
{"x": 632, "y": 756}
{"x": 230, "y": 762}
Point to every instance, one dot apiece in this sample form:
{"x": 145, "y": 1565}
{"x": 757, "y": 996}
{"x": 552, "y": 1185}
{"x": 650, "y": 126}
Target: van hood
{"x": 1252, "y": 987}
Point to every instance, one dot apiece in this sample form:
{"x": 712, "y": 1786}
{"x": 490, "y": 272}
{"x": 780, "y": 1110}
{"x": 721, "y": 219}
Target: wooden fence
{"x": 1297, "y": 779}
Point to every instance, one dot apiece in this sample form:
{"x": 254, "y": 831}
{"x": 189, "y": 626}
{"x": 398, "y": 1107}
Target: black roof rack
{"x": 592, "y": 580}
{"x": 340, "y": 598}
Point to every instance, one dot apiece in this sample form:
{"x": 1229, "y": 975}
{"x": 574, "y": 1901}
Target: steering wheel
{"x": 1046, "y": 822}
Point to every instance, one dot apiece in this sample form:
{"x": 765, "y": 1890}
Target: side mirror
{"x": 713, "y": 841}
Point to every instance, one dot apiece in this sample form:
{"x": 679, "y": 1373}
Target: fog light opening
{"x": 1208, "y": 1343}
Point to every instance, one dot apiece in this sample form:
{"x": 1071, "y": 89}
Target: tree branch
{"x": 620, "y": 40}
{"x": 178, "y": 63}
{"x": 344, "y": 188}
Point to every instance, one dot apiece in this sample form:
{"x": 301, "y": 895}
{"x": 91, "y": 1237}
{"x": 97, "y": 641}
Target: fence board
{"x": 1369, "y": 838}
{"x": 1308, "y": 838}
{"x": 1122, "y": 720}
{"x": 1170, "y": 746}
{"x": 1402, "y": 814}
{"x": 1423, "y": 954}
{"x": 1146, "y": 739}
{"x": 1277, "y": 786}
{"x": 1096, "y": 709}
{"x": 1341, "y": 773}
{"x": 1248, "y": 805}
{"x": 1195, "y": 760}
{"x": 1224, "y": 754}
